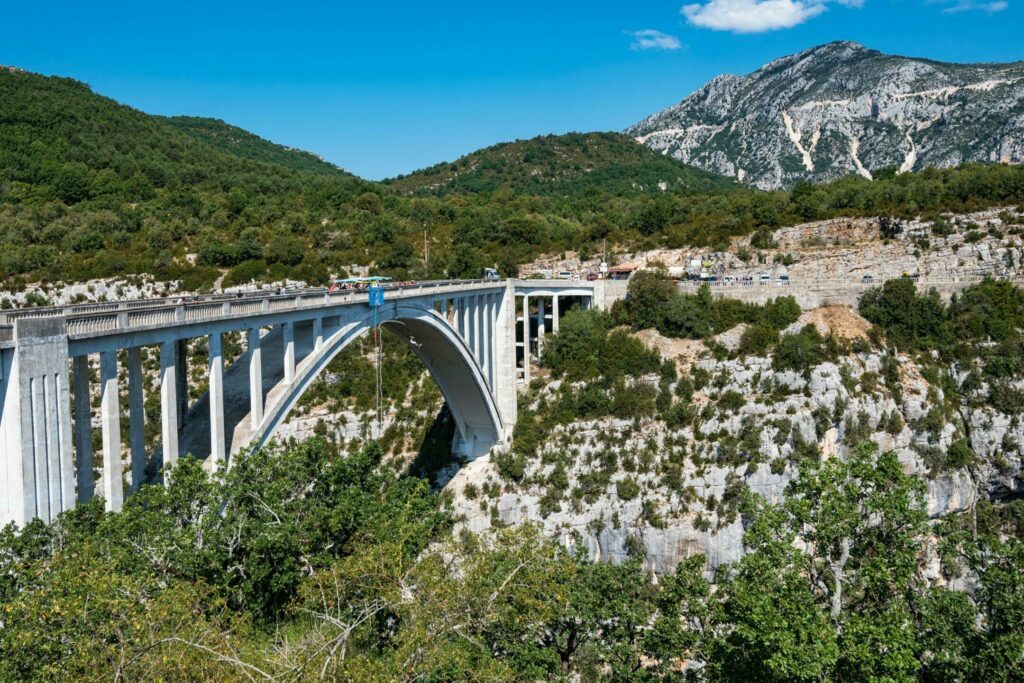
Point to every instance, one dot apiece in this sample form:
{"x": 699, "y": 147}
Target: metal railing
{"x": 114, "y": 316}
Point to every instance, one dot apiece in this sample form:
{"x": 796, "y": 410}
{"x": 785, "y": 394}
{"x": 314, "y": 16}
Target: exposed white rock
{"x": 869, "y": 110}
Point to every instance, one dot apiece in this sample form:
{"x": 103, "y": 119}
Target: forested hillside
{"x": 563, "y": 165}
{"x": 91, "y": 188}
{"x": 242, "y": 143}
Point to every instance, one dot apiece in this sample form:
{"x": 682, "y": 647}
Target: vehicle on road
{"x": 491, "y": 274}
{"x": 866, "y": 279}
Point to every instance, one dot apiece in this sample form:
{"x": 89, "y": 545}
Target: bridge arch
{"x": 441, "y": 349}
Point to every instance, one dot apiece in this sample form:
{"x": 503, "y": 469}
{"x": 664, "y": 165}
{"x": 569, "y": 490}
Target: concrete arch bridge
{"x": 476, "y": 338}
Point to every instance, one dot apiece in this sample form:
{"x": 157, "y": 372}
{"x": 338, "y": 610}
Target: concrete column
{"x": 554, "y": 314}
{"x": 36, "y": 461}
{"x": 526, "y": 338}
{"x": 471, "y": 324}
{"x": 255, "y": 377}
{"x": 181, "y": 376}
{"x": 542, "y": 325}
{"x": 289, "y": 351}
{"x": 216, "y": 378}
{"x": 489, "y": 340}
{"x": 478, "y": 333}
{"x": 504, "y": 360}
{"x": 113, "y": 488}
{"x": 318, "y": 333}
{"x": 83, "y": 430}
{"x": 456, "y": 318}
{"x": 169, "y": 401}
{"x": 136, "y": 417}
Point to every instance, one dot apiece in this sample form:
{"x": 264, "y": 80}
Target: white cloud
{"x": 649, "y": 39}
{"x": 971, "y": 5}
{"x": 756, "y": 16}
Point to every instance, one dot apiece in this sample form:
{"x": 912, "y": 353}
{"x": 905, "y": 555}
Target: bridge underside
{"x": 452, "y": 368}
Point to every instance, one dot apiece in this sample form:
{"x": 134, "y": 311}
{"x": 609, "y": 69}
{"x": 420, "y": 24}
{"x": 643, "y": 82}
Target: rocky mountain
{"x": 841, "y": 108}
{"x": 562, "y": 165}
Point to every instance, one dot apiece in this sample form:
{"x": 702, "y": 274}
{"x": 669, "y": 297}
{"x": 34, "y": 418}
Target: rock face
{"x": 621, "y": 488}
{"x": 839, "y": 109}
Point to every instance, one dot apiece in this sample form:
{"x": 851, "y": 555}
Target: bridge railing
{"x": 314, "y": 294}
{"x": 126, "y": 315}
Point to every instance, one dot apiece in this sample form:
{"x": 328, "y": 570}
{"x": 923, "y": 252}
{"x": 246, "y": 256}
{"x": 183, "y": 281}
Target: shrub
{"x": 801, "y": 351}
{"x": 758, "y": 338}
{"x": 731, "y": 401}
{"x": 960, "y": 455}
{"x": 627, "y": 489}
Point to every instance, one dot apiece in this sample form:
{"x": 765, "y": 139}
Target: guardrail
{"x": 126, "y": 315}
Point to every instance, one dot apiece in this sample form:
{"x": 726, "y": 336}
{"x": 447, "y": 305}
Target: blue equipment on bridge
{"x": 376, "y": 293}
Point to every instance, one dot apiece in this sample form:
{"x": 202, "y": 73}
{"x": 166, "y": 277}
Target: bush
{"x": 245, "y": 272}
{"x": 758, "y": 338}
{"x": 627, "y": 489}
{"x": 731, "y": 401}
{"x": 960, "y": 455}
{"x": 801, "y": 351}
{"x": 909, "y": 320}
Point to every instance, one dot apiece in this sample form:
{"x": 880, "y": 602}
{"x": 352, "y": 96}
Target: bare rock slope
{"x": 841, "y": 108}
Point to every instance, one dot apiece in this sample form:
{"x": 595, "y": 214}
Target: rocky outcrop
{"x": 687, "y": 480}
{"x": 839, "y": 109}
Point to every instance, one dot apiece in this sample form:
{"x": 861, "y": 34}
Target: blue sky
{"x": 383, "y": 88}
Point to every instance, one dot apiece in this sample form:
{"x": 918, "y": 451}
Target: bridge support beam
{"x": 255, "y": 377}
{"x": 110, "y": 411}
{"x": 504, "y": 361}
{"x": 289, "y": 351}
{"x": 318, "y": 333}
{"x": 83, "y": 430}
{"x": 216, "y": 381}
{"x": 136, "y": 417}
{"x": 169, "y": 401}
{"x": 488, "y": 340}
{"x": 554, "y": 314}
{"x": 526, "y": 339}
{"x": 542, "y": 325}
{"x": 181, "y": 376}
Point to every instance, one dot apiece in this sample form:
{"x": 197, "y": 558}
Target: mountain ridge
{"x": 842, "y": 108}
{"x": 558, "y": 164}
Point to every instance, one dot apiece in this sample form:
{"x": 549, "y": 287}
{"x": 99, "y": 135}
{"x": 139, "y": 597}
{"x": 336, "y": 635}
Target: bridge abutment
{"x": 36, "y": 462}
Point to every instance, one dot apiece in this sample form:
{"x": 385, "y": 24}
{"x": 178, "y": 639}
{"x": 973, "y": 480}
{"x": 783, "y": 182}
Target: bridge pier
{"x": 169, "y": 406}
{"x": 216, "y": 382}
{"x": 136, "y": 416}
{"x": 255, "y": 377}
{"x": 181, "y": 377}
{"x": 289, "y": 351}
{"x": 83, "y": 429}
{"x": 110, "y": 412}
{"x": 36, "y": 461}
